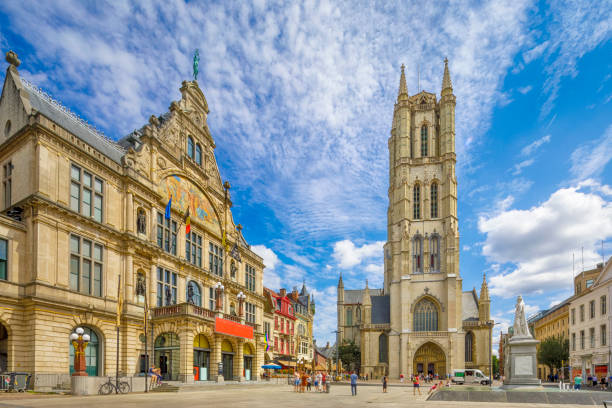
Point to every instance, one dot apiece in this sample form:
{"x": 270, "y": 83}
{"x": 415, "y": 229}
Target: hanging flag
{"x": 169, "y": 208}
{"x": 187, "y": 222}
{"x": 235, "y": 253}
{"x": 267, "y": 343}
{"x": 119, "y": 302}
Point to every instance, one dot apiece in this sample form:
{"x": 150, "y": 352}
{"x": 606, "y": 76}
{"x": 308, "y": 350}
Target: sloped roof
{"x": 62, "y": 116}
{"x": 381, "y": 309}
{"x": 469, "y": 305}
{"x": 356, "y": 296}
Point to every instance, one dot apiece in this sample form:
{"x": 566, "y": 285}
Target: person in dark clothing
{"x": 384, "y": 383}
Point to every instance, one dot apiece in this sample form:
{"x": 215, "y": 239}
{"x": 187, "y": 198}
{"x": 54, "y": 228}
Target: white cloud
{"x": 348, "y": 255}
{"x": 270, "y": 258}
{"x": 535, "y": 145}
{"x": 518, "y": 168}
{"x": 535, "y": 52}
{"x": 537, "y": 244}
{"x": 525, "y": 89}
{"x": 590, "y": 159}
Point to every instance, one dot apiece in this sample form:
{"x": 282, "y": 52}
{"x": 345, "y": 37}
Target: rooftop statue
{"x": 196, "y": 64}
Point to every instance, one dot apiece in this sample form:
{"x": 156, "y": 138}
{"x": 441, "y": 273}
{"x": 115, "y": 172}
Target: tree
{"x": 495, "y": 365}
{"x": 552, "y": 351}
{"x": 350, "y": 355}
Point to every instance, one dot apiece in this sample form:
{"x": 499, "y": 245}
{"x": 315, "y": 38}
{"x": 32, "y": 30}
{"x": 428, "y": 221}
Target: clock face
{"x": 142, "y": 338}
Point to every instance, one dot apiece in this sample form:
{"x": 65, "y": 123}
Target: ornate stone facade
{"x": 81, "y": 213}
{"x": 421, "y": 320}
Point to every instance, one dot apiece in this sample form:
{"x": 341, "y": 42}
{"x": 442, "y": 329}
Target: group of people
{"x": 303, "y": 381}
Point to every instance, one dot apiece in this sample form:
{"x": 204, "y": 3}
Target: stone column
{"x": 215, "y": 360}
{"x": 129, "y": 213}
{"x": 152, "y": 289}
{"x": 394, "y": 365}
{"x": 186, "y": 353}
{"x": 239, "y": 362}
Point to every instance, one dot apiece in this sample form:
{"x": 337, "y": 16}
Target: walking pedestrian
{"x": 416, "y": 384}
{"x": 384, "y": 382}
{"x": 308, "y": 383}
{"x": 354, "y": 384}
{"x": 402, "y": 378}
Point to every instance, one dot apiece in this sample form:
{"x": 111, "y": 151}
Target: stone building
{"x": 550, "y": 323}
{"x": 420, "y": 321}
{"x": 304, "y": 307}
{"x": 82, "y": 216}
{"x": 590, "y": 322}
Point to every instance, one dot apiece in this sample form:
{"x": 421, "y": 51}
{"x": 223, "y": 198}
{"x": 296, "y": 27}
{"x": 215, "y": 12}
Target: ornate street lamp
{"x": 219, "y": 296}
{"x": 241, "y": 298}
{"x": 79, "y": 342}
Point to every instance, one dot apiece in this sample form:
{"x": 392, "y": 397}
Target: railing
{"x": 430, "y": 334}
{"x": 183, "y": 309}
{"x": 231, "y": 317}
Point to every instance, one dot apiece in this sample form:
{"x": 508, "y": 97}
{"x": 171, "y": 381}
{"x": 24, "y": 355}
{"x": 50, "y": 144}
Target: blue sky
{"x": 301, "y": 100}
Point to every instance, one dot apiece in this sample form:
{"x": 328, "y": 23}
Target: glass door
{"x": 248, "y": 368}
{"x": 228, "y": 366}
{"x": 201, "y": 361}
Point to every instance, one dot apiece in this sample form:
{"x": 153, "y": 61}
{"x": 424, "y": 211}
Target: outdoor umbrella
{"x": 272, "y": 366}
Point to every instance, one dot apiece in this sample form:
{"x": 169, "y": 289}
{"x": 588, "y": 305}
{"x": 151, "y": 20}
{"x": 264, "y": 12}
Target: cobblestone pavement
{"x": 251, "y": 396}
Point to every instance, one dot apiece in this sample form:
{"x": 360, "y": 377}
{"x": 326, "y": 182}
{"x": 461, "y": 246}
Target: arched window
{"x": 194, "y": 294}
{"x": 232, "y": 309}
{"x": 349, "y": 317}
{"x": 417, "y": 254}
{"x": 190, "y": 146}
{"x": 416, "y": 202}
{"x": 434, "y": 253}
{"x": 92, "y": 353}
{"x": 198, "y": 154}
{"x": 425, "y": 316}
{"x": 424, "y": 141}
{"x": 383, "y": 348}
{"x": 469, "y": 346}
{"x": 434, "y": 200}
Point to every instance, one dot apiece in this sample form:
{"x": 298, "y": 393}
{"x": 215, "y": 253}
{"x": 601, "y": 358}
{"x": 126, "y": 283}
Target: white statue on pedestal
{"x": 520, "y": 322}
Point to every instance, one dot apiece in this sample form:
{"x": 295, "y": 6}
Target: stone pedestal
{"x": 79, "y": 385}
{"x": 521, "y": 362}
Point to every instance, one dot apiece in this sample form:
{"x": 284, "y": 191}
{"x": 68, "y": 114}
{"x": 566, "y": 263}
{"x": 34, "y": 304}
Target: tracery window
{"x": 383, "y": 348}
{"x": 417, "y": 254}
{"x": 349, "y": 317}
{"x": 416, "y": 202}
{"x": 469, "y": 344}
{"x": 434, "y": 244}
{"x": 425, "y": 316}
{"x": 424, "y": 141}
{"x": 434, "y": 200}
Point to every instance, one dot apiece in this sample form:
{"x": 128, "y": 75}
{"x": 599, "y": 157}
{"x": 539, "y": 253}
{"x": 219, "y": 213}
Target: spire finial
{"x": 403, "y": 89}
{"x": 446, "y": 81}
{"x": 11, "y": 58}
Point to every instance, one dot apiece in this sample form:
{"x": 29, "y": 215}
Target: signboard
{"x": 601, "y": 370}
{"x": 233, "y": 328}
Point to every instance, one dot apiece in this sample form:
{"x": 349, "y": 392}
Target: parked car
{"x": 469, "y": 376}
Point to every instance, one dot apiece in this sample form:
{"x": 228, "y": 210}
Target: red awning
{"x": 231, "y": 328}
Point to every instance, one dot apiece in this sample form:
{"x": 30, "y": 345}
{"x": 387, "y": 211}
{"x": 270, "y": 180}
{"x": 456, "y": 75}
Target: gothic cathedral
{"x": 421, "y": 321}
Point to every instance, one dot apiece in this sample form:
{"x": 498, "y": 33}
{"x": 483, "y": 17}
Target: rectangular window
{"x": 275, "y": 322}
{"x": 215, "y": 259}
{"x": 589, "y": 283}
{"x": 416, "y": 202}
{"x": 250, "y": 312}
{"x": 8, "y": 184}
{"x": 250, "y": 277}
{"x": 86, "y": 266}
{"x": 573, "y": 317}
{"x": 573, "y": 341}
{"x": 592, "y": 336}
{"x": 211, "y": 298}
{"x": 603, "y": 335}
{"x": 166, "y": 287}
{"x": 3, "y": 259}
{"x": 581, "y": 339}
{"x": 603, "y": 305}
{"x": 193, "y": 249}
{"x": 166, "y": 234}
{"x": 267, "y": 329}
{"x": 582, "y": 313}
{"x": 86, "y": 193}
{"x": 592, "y": 309}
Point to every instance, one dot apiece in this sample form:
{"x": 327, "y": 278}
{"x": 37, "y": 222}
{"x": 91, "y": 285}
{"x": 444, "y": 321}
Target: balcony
{"x": 182, "y": 309}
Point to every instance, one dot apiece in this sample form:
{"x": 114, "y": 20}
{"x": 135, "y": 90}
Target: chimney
{"x": 327, "y": 345}
{"x": 283, "y": 292}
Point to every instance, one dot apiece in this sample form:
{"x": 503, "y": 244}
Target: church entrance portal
{"x": 430, "y": 359}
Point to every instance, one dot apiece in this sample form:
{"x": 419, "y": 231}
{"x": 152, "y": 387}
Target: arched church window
{"x": 383, "y": 348}
{"x": 424, "y": 141}
{"x": 469, "y": 346}
{"x": 434, "y": 200}
{"x": 434, "y": 244}
{"x": 349, "y": 317}
{"x": 190, "y": 146}
{"x": 416, "y": 202}
{"x": 198, "y": 154}
{"x": 425, "y": 316}
{"x": 417, "y": 255}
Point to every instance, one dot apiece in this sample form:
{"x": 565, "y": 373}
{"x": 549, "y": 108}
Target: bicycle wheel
{"x": 124, "y": 387}
{"x": 106, "y": 389}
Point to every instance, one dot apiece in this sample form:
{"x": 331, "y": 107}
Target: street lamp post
{"x": 337, "y": 351}
{"x": 79, "y": 342}
{"x": 219, "y": 296}
{"x": 491, "y": 325}
{"x": 241, "y": 297}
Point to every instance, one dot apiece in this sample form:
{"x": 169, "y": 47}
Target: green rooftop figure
{"x": 196, "y": 64}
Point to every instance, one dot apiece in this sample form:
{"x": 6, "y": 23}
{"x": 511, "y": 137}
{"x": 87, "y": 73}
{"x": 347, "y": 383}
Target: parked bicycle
{"x": 109, "y": 387}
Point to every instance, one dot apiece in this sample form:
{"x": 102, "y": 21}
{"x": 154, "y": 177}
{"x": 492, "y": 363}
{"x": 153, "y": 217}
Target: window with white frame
{"x": 250, "y": 277}
{"x": 249, "y": 312}
{"x": 86, "y": 193}
{"x": 86, "y": 266}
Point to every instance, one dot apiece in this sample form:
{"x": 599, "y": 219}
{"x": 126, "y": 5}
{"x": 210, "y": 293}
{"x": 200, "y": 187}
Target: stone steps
{"x": 165, "y": 387}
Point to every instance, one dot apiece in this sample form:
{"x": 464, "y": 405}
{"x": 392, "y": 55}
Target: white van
{"x": 469, "y": 376}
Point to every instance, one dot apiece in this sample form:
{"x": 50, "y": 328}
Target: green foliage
{"x": 495, "y": 365}
{"x": 552, "y": 351}
{"x": 350, "y": 355}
